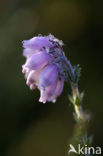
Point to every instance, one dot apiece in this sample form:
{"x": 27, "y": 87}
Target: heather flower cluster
{"x": 46, "y": 66}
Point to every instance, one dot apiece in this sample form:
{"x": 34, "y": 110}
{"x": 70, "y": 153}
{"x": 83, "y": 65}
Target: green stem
{"x": 82, "y": 118}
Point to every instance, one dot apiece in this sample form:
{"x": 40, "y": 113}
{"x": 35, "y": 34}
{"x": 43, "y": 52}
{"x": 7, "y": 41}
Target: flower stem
{"x": 82, "y": 118}
{"x": 77, "y": 102}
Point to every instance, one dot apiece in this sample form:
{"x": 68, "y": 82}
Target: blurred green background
{"x": 27, "y": 127}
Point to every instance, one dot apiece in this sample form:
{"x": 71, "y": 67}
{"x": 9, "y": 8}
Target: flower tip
{"x": 23, "y": 71}
{"x": 32, "y": 87}
{"x": 27, "y": 83}
{"x": 43, "y": 101}
{"x": 54, "y": 100}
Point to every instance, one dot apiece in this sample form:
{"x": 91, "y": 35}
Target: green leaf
{"x": 71, "y": 99}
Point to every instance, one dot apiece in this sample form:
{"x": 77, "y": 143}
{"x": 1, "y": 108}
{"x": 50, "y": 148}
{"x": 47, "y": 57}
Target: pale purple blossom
{"x": 46, "y": 66}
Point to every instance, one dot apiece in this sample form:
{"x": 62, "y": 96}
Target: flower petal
{"x": 28, "y": 52}
{"x": 36, "y": 43}
{"x": 58, "y": 90}
{"x": 38, "y": 60}
{"x": 47, "y": 93}
{"x": 48, "y": 75}
{"x": 33, "y": 77}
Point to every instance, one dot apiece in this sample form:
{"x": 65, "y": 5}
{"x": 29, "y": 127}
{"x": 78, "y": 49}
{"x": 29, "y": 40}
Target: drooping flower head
{"x": 46, "y": 66}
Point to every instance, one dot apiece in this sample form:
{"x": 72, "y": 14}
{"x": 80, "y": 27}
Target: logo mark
{"x": 72, "y": 149}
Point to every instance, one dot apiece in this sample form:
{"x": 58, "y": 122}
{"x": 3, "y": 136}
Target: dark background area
{"x": 27, "y": 127}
